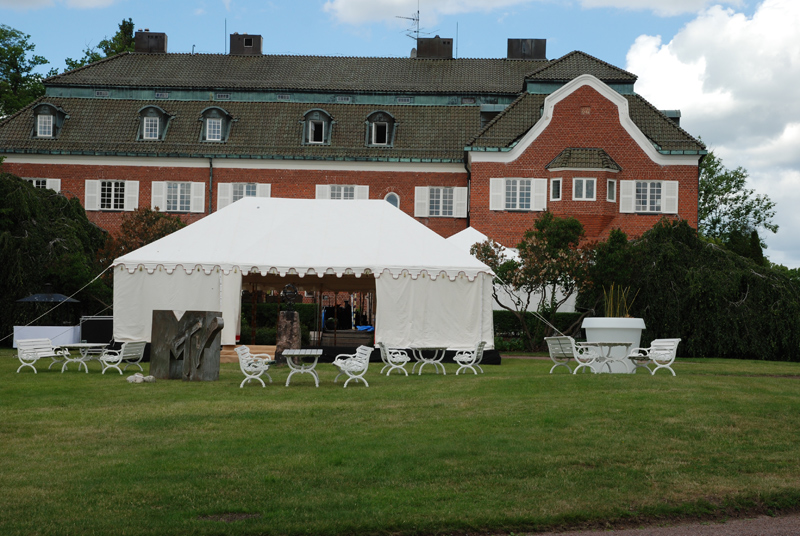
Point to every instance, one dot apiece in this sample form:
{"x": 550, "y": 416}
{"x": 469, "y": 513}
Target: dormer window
{"x": 153, "y": 123}
{"x": 216, "y": 124}
{"x": 48, "y": 120}
{"x": 317, "y": 128}
{"x": 380, "y": 129}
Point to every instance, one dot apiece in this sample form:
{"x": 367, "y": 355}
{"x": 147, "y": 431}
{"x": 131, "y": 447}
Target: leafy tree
{"x": 120, "y": 42}
{"x": 726, "y": 207}
{"x": 139, "y": 228}
{"x": 45, "y": 238}
{"x": 19, "y": 85}
{"x": 551, "y": 267}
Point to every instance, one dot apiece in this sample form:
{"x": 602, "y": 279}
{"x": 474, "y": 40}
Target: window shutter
{"x": 421, "y": 201}
{"x": 197, "y": 203}
{"x": 131, "y": 195}
{"x": 669, "y": 202}
{"x": 497, "y": 194}
{"x": 538, "y": 194}
{"x": 92, "y": 200}
{"x": 54, "y": 184}
{"x": 460, "y": 198}
{"x": 158, "y": 196}
{"x": 627, "y": 197}
{"x": 323, "y": 191}
{"x": 224, "y": 195}
{"x": 263, "y": 190}
{"x": 362, "y": 192}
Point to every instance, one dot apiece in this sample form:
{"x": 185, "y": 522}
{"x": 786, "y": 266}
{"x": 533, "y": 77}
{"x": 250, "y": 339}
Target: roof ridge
{"x": 83, "y": 67}
{"x": 553, "y": 63}
{"x": 670, "y": 121}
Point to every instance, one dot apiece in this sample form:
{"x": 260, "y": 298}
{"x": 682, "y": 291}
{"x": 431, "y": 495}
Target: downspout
{"x": 469, "y": 186}
{"x": 210, "y": 183}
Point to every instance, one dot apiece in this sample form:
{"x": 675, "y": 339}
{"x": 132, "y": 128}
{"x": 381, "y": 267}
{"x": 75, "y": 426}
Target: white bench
{"x": 29, "y": 351}
{"x": 393, "y": 358}
{"x": 131, "y": 353}
{"x": 470, "y": 359}
{"x": 662, "y": 353}
{"x": 253, "y": 365}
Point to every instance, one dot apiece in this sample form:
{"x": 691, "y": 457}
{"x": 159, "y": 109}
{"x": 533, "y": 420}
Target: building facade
{"x": 487, "y": 143}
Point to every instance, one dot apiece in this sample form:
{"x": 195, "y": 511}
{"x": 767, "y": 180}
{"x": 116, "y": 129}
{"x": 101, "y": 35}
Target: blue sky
{"x": 732, "y": 68}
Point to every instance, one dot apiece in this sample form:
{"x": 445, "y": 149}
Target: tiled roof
{"x": 260, "y": 130}
{"x": 577, "y": 63}
{"x": 303, "y": 73}
{"x": 583, "y": 158}
{"x": 523, "y": 113}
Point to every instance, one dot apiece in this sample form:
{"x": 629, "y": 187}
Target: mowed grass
{"x": 515, "y": 449}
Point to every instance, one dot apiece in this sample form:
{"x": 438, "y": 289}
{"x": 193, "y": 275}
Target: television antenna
{"x": 413, "y": 32}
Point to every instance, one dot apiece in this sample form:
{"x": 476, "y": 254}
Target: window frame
{"x": 314, "y": 120}
{"x": 560, "y": 182}
{"x": 387, "y": 121}
{"x": 396, "y": 196}
{"x": 611, "y": 190}
{"x": 213, "y": 126}
{"x": 518, "y": 184}
{"x": 343, "y": 192}
{"x": 442, "y": 201}
{"x": 147, "y": 128}
{"x": 112, "y": 192}
{"x": 147, "y": 116}
{"x": 183, "y": 195}
{"x": 648, "y": 202}
{"x": 44, "y": 118}
{"x": 584, "y": 182}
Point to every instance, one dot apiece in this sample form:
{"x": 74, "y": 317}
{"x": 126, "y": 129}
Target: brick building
{"x": 487, "y": 143}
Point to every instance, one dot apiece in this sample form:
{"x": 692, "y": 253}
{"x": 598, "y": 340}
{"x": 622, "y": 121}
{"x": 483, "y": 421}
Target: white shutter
{"x": 198, "y": 201}
{"x": 131, "y": 195}
{"x": 538, "y": 194}
{"x": 627, "y": 197}
{"x": 460, "y": 197}
{"x": 362, "y": 192}
{"x": 54, "y": 184}
{"x": 497, "y": 194}
{"x": 669, "y": 199}
{"x": 92, "y": 195}
{"x": 224, "y": 194}
{"x": 158, "y": 196}
{"x": 421, "y": 201}
{"x": 263, "y": 190}
{"x": 323, "y": 191}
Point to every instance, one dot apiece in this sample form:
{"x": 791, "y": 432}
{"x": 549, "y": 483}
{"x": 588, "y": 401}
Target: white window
{"x": 393, "y": 199}
{"x": 648, "y": 197}
{"x": 342, "y": 191}
{"x": 44, "y": 126}
{"x": 111, "y": 195}
{"x": 228, "y": 193}
{"x": 178, "y": 196}
{"x": 611, "y": 190}
{"x": 518, "y": 194}
{"x": 380, "y": 133}
{"x": 150, "y": 128}
{"x": 555, "y": 189}
{"x": 316, "y": 132}
{"x": 38, "y": 183}
{"x": 440, "y": 201}
{"x": 583, "y": 189}
{"x": 214, "y": 129}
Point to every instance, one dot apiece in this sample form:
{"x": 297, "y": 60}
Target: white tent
{"x": 429, "y": 293}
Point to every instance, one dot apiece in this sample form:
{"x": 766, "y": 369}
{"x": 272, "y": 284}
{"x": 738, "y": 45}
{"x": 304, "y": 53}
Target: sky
{"x": 732, "y": 67}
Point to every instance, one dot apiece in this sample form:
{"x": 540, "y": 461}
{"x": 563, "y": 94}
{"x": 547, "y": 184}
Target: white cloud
{"x": 227, "y": 4}
{"x": 735, "y": 80}
{"x": 659, "y": 7}
{"x": 24, "y": 5}
{"x": 88, "y": 4}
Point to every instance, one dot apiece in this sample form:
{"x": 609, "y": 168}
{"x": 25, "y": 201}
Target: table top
{"x": 84, "y": 345}
{"x": 303, "y": 352}
{"x": 604, "y": 343}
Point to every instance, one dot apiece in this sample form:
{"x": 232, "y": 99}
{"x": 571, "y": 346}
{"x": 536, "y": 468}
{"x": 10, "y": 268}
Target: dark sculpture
{"x": 290, "y": 296}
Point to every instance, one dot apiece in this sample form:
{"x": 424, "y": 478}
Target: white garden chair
{"x": 353, "y": 365}
{"x": 470, "y": 359}
{"x": 393, "y": 359}
{"x": 662, "y": 353}
{"x": 564, "y": 348}
{"x": 253, "y": 365}
{"x": 131, "y": 353}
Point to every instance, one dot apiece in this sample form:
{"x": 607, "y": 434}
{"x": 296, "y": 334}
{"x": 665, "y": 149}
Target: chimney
{"x": 527, "y": 49}
{"x": 152, "y": 42}
{"x": 435, "y": 48}
{"x": 246, "y": 45}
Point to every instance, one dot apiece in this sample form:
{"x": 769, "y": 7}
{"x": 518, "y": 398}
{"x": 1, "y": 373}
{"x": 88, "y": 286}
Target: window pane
{"x": 555, "y": 189}
{"x": 511, "y": 194}
{"x": 589, "y": 189}
{"x": 172, "y": 196}
{"x": 348, "y": 192}
{"x": 435, "y": 202}
{"x": 578, "y": 185}
{"x": 112, "y": 195}
{"x": 185, "y": 196}
{"x": 380, "y": 133}
{"x": 250, "y": 189}
{"x": 393, "y": 200}
{"x": 316, "y": 132}
{"x": 214, "y": 129}
{"x": 44, "y": 126}
{"x": 151, "y": 128}
{"x": 238, "y": 191}
{"x": 655, "y": 197}
{"x": 524, "y": 195}
{"x": 447, "y": 202}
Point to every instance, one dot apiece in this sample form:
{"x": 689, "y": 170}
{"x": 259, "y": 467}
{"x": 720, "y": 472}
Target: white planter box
{"x": 610, "y": 329}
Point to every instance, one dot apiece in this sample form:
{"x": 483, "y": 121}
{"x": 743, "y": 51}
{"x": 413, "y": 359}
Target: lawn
{"x": 515, "y": 449}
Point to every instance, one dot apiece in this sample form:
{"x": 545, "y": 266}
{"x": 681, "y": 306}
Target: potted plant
{"x": 616, "y": 326}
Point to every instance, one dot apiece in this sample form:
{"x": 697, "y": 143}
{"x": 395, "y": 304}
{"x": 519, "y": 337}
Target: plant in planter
{"x": 616, "y": 326}
{"x": 616, "y": 301}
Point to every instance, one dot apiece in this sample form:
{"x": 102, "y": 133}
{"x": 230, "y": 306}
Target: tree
{"x": 726, "y": 207}
{"x": 138, "y": 228}
{"x": 19, "y": 85}
{"x": 120, "y": 42}
{"x": 551, "y": 267}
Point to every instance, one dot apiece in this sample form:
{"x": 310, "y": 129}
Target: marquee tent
{"x": 428, "y": 292}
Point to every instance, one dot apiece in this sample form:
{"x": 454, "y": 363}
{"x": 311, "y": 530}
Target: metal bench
{"x": 131, "y": 353}
{"x": 470, "y": 359}
{"x": 29, "y": 351}
{"x": 353, "y": 365}
{"x": 253, "y": 365}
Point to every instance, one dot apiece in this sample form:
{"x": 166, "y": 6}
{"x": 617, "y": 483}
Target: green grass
{"x": 515, "y": 449}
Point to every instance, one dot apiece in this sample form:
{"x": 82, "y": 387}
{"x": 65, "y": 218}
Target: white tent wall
{"x": 138, "y": 294}
{"x": 439, "y": 312}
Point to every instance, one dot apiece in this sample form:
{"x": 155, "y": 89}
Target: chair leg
{"x": 560, "y": 365}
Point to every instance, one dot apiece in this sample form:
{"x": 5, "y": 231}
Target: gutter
{"x": 210, "y": 183}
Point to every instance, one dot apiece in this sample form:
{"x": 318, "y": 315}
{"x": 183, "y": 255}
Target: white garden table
{"x": 85, "y": 352}
{"x": 606, "y": 356}
{"x": 422, "y": 359}
{"x": 300, "y": 367}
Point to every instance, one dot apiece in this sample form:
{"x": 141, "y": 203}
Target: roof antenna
{"x": 192, "y": 50}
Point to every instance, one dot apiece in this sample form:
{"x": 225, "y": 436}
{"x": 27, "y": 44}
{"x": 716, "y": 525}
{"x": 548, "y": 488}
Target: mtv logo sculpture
{"x": 186, "y": 346}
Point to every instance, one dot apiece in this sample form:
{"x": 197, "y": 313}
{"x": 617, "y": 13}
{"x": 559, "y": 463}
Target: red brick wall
{"x": 286, "y": 183}
{"x": 572, "y": 127}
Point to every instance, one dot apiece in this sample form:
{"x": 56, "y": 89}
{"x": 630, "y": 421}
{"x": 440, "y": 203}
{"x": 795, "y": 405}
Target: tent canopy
{"x": 428, "y": 291}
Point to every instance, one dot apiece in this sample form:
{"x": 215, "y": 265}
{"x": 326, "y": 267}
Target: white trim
{"x": 230, "y": 163}
{"x": 547, "y": 116}
{"x": 386, "y": 198}
{"x": 610, "y": 188}
{"x": 585, "y": 197}
{"x": 560, "y": 189}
